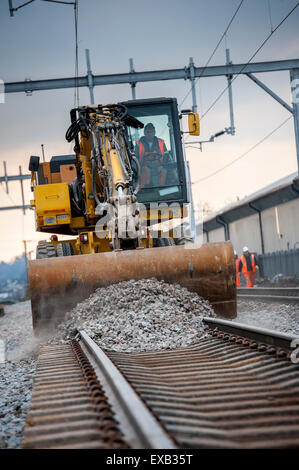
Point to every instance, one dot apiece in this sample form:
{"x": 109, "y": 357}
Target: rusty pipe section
{"x": 58, "y": 284}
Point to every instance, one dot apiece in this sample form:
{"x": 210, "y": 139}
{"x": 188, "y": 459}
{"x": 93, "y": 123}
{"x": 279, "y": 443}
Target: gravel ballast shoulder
{"x": 16, "y": 373}
{"x": 278, "y": 317}
{"x": 16, "y": 381}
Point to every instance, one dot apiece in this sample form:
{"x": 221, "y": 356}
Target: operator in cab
{"x": 152, "y": 153}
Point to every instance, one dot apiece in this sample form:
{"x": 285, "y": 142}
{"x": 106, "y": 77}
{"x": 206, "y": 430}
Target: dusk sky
{"x": 38, "y": 43}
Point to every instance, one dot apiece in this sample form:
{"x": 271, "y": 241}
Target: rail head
{"x": 270, "y": 337}
{"x": 151, "y": 433}
{"x": 284, "y": 295}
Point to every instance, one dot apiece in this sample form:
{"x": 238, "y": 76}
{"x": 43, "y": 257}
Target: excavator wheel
{"x": 64, "y": 249}
{"x": 45, "y": 251}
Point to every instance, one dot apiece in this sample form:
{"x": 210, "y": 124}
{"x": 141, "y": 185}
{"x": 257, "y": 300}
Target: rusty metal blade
{"x": 58, "y": 284}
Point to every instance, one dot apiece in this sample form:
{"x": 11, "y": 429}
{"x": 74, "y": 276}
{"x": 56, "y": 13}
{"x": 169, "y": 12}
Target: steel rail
{"x": 69, "y": 408}
{"x": 148, "y": 430}
{"x": 263, "y": 335}
{"x": 288, "y": 295}
{"x": 224, "y": 391}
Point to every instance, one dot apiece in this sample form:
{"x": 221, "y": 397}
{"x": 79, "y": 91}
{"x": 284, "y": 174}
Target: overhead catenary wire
{"x": 270, "y": 15}
{"x": 193, "y": 147}
{"x": 215, "y": 49}
{"x": 76, "y": 14}
{"x": 75, "y": 5}
{"x": 243, "y": 154}
{"x": 76, "y": 91}
{"x": 11, "y": 9}
{"x": 59, "y": 1}
{"x": 247, "y": 63}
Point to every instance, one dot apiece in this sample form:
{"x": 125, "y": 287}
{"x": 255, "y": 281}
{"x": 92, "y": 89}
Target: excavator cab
{"x": 158, "y": 148}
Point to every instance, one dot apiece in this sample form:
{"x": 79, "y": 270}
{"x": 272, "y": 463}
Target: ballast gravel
{"x": 138, "y": 315}
{"x": 272, "y": 316}
{"x": 129, "y": 316}
{"x": 16, "y": 372}
{"x": 16, "y": 382}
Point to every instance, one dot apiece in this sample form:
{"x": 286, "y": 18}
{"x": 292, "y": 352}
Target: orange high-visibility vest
{"x": 244, "y": 267}
{"x": 238, "y": 279}
{"x": 142, "y": 153}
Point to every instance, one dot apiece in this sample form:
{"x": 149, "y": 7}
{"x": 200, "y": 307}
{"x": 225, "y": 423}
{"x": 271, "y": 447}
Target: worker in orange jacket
{"x": 248, "y": 265}
{"x": 151, "y": 152}
{"x": 237, "y": 260}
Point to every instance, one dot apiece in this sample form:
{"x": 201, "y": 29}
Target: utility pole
{"x": 5, "y": 176}
{"x": 230, "y": 95}
{"x": 25, "y": 249}
{"x": 294, "y": 75}
{"x": 191, "y": 205}
{"x": 42, "y": 146}
{"x": 26, "y": 260}
{"x": 192, "y": 79}
{"x": 133, "y": 84}
{"x": 22, "y": 189}
{"x": 89, "y": 76}
{"x": 10, "y": 7}
{"x": 20, "y": 177}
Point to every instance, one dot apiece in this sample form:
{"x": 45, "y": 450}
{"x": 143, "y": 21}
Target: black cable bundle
{"x": 73, "y": 130}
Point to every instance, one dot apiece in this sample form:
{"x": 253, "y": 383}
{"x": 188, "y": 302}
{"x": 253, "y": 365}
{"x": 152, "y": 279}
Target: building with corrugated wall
{"x": 266, "y": 221}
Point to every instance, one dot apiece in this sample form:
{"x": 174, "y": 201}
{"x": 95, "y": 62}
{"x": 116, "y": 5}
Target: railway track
{"x": 237, "y": 387}
{"x": 289, "y": 295}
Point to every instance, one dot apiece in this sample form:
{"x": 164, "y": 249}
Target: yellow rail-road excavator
{"x": 126, "y": 178}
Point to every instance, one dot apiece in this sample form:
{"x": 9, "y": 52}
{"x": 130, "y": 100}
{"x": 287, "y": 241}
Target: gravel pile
{"x": 138, "y": 316}
{"x": 278, "y": 317}
{"x": 16, "y": 373}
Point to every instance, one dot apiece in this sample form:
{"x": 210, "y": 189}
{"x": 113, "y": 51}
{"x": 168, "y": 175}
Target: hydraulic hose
{"x": 93, "y": 170}
{"x": 138, "y": 174}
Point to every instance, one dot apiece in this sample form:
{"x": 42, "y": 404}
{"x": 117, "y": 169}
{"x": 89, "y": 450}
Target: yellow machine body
{"x": 85, "y": 195}
{"x": 52, "y": 203}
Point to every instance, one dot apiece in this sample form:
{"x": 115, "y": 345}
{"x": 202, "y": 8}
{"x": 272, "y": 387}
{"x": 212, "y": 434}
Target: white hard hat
{"x": 235, "y": 253}
{"x": 245, "y": 249}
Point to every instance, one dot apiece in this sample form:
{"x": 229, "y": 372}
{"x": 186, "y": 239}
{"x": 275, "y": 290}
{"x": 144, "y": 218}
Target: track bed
{"x": 235, "y": 388}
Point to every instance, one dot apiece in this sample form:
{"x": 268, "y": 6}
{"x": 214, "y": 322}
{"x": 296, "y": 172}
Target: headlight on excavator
{"x": 83, "y": 237}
